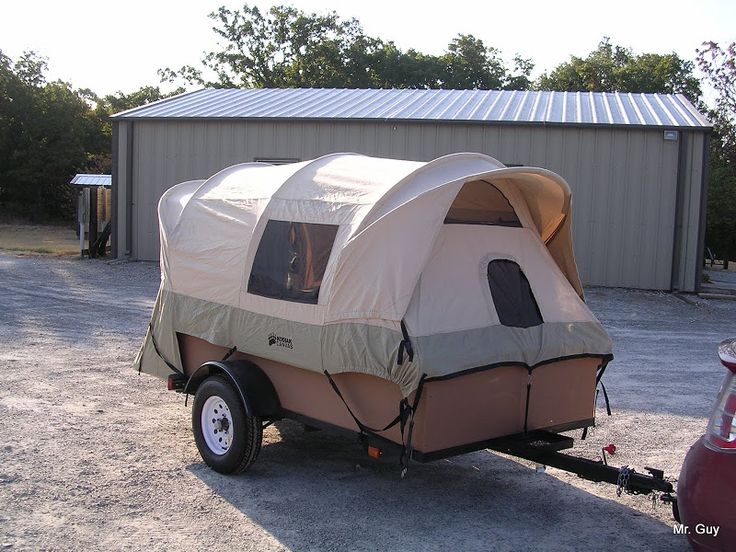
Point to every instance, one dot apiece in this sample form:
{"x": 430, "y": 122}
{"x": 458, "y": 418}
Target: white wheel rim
{"x": 217, "y": 425}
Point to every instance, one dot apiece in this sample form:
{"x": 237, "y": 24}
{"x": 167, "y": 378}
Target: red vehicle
{"x": 706, "y": 491}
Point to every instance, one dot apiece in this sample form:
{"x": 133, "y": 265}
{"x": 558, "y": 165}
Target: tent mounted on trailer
{"x": 433, "y": 308}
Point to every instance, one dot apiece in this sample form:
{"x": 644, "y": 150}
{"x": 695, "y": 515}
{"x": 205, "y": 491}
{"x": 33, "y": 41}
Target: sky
{"x": 118, "y": 46}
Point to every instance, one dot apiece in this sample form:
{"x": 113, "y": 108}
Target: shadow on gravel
{"x": 664, "y": 349}
{"x": 73, "y": 301}
{"x": 315, "y": 491}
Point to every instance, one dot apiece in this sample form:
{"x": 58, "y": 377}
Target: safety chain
{"x": 622, "y": 484}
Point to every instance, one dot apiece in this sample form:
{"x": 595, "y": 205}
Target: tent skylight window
{"x": 480, "y": 202}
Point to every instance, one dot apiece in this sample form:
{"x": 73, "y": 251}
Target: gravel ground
{"x": 95, "y": 457}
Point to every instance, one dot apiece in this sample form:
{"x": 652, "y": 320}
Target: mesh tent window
{"x": 512, "y": 295}
{"x": 291, "y": 260}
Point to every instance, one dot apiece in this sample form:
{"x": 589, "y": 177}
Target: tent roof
{"x": 349, "y": 188}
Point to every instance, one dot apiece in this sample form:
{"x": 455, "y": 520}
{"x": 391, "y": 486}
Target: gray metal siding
{"x": 688, "y": 245}
{"x": 624, "y": 181}
{"x": 121, "y": 187}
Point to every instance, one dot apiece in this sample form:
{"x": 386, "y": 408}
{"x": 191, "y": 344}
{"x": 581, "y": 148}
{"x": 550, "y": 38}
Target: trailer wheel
{"x": 227, "y": 438}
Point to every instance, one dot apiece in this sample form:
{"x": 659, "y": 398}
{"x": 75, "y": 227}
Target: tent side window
{"x": 512, "y": 295}
{"x": 291, "y": 260}
{"x": 480, "y": 202}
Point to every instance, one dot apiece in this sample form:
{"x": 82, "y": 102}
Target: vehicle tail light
{"x": 727, "y": 354}
{"x": 176, "y": 382}
{"x": 721, "y": 432}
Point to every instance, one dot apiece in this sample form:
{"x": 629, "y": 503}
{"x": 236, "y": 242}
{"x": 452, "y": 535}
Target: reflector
{"x": 374, "y": 452}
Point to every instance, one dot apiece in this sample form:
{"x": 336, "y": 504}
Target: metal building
{"x": 636, "y": 163}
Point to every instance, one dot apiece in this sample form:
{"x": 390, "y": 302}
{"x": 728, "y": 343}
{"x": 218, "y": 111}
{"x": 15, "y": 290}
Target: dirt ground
{"x": 39, "y": 239}
{"x": 94, "y": 456}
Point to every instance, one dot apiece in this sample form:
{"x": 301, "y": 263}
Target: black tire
{"x": 244, "y": 432}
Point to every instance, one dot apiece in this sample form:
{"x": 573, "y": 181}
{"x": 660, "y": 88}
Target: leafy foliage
{"x": 720, "y": 233}
{"x": 719, "y": 66}
{"x": 286, "y": 47}
{"x": 49, "y": 132}
{"x": 611, "y": 68}
{"x": 44, "y": 138}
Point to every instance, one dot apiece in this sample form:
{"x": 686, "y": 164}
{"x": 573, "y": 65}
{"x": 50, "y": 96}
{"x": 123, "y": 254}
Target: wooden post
{"x": 80, "y": 219}
{"x": 92, "y": 220}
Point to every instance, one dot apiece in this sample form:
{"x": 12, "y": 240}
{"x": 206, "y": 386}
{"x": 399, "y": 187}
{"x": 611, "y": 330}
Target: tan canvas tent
{"x": 457, "y": 273}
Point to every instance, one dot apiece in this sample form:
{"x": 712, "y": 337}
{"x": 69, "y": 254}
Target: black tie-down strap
{"x": 405, "y": 346}
{"x": 170, "y": 364}
{"x": 407, "y": 451}
{"x": 404, "y": 418}
{"x": 161, "y": 356}
{"x": 605, "y": 395}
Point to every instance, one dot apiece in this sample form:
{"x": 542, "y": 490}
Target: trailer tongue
{"x": 543, "y": 448}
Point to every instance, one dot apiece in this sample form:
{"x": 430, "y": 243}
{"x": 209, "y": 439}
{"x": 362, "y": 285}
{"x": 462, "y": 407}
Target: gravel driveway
{"x": 95, "y": 457}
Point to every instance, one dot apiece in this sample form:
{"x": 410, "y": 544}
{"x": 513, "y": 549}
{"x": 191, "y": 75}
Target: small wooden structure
{"x": 94, "y": 210}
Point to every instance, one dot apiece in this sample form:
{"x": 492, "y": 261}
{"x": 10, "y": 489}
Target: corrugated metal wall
{"x": 624, "y": 180}
{"x": 688, "y": 245}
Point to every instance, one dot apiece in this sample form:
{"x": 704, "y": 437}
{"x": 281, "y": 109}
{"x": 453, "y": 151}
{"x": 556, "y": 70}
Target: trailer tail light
{"x": 374, "y": 452}
{"x": 721, "y": 432}
{"x": 176, "y": 382}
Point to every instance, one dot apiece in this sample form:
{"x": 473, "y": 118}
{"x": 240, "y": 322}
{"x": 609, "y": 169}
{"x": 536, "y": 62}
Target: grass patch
{"x": 40, "y": 250}
{"x": 35, "y": 239}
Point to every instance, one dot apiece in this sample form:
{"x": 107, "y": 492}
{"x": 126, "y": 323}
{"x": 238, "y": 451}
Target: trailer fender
{"x": 250, "y": 382}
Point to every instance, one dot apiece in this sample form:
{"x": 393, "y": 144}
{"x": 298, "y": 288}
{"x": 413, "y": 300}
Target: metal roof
{"x": 92, "y": 180}
{"x": 491, "y": 106}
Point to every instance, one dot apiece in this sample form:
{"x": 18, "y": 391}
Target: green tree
{"x": 285, "y": 47}
{"x": 15, "y": 100}
{"x": 471, "y": 64}
{"x": 720, "y": 231}
{"x": 611, "y": 68}
{"x": 49, "y": 132}
{"x": 115, "y": 103}
{"x": 719, "y": 66}
{"x": 30, "y": 69}
{"x": 519, "y": 78}
{"x": 45, "y": 139}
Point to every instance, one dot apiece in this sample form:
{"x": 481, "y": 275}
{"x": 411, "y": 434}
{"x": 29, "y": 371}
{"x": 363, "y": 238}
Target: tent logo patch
{"x": 280, "y": 341}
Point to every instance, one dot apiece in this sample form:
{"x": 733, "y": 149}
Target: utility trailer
{"x": 432, "y": 309}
